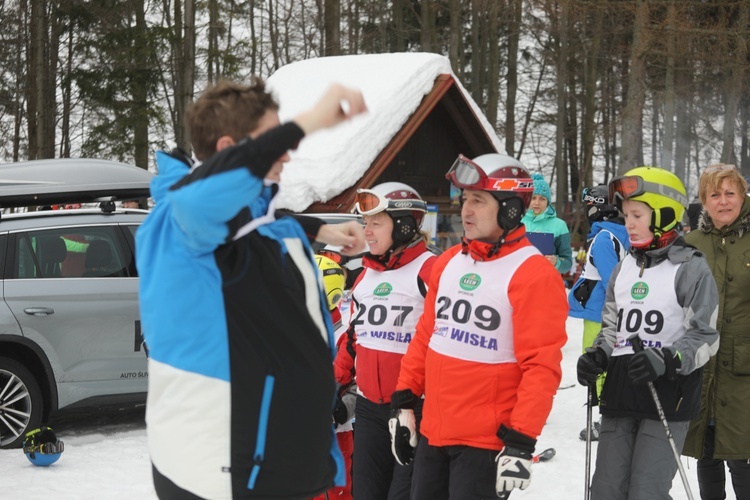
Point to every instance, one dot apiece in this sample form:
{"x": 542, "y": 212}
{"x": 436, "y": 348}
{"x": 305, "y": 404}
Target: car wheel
{"x": 20, "y": 403}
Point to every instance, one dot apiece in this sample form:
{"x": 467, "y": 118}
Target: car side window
{"x": 83, "y": 252}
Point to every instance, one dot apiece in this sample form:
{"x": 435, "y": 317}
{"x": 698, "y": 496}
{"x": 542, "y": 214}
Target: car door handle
{"x": 39, "y": 311}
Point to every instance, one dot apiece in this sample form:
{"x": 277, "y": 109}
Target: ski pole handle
{"x": 636, "y": 342}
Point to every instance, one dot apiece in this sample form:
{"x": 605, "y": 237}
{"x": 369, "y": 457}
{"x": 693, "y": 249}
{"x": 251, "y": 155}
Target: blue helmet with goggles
{"x": 42, "y": 447}
{"x": 400, "y": 201}
{"x": 504, "y": 177}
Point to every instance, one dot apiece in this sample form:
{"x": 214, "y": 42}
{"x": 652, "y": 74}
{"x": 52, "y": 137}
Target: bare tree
{"x": 735, "y": 83}
{"x": 562, "y": 77}
{"x": 632, "y": 116}
{"x": 183, "y": 47}
{"x": 332, "y": 30}
{"x": 515, "y": 12}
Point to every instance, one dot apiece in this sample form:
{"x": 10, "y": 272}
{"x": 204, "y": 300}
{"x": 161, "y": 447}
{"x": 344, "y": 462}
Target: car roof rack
{"x": 71, "y": 180}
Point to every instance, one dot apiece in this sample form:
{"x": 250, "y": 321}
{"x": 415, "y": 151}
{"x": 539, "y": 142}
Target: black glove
{"x": 340, "y": 412}
{"x": 591, "y": 364}
{"x": 650, "y": 364}
{"x": 403, "y": 426}
{"x": 514, "y": 461}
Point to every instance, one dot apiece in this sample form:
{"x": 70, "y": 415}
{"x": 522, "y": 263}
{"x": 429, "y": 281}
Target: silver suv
{"x": 70, "y": 332}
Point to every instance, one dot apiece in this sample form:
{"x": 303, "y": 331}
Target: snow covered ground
{"x": 105, "y": 455}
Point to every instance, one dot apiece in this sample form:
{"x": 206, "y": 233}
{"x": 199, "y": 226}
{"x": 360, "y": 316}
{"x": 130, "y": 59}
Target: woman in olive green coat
{"x": 722, "y": 430}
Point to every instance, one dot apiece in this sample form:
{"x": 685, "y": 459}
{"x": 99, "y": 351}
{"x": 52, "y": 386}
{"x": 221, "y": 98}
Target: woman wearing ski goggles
{"x": 389, "y": 292}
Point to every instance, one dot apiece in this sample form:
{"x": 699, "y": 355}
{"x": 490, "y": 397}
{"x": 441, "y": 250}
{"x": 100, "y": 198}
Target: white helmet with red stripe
{"x": 502, "y": 176}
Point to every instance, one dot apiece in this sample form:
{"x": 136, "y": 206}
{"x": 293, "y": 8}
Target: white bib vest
{"x": 390, "y": 304}
{"x": 647, "y": 305}
{"x": 590, "y": 270}
{"x": 473, "y": 316}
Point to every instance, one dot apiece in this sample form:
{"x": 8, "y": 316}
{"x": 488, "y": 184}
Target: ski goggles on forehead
{"x": 466, "y": 174}
{"x": 624, "y": 188}
{"x": 370, "y": 203}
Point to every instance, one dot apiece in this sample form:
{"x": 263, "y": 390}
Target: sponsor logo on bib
{"x": 639, "y": 291}
{"x": 470, "y": 281}
{"x": 383, "y": 289}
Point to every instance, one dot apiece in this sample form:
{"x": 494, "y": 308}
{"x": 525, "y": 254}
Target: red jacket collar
{"x": 482, "y": 251}
{"x": 396, "y": 260}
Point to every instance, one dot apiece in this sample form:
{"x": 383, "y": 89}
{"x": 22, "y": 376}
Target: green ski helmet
{"x": 660, "y": 189}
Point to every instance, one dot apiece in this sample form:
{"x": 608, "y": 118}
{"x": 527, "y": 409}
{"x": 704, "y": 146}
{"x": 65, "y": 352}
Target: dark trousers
{"x": 453, "y": 473}
{"x": 711, "y": 476}
{"x": 167, "y": 490}
{"x": 375, "y": 473}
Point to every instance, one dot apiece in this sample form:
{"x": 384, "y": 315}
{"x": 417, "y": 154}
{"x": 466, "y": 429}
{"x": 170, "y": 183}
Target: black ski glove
{"x": 650, "y": 364}
{"x": 591, "y": 364}
{"x": 403, "y": 426}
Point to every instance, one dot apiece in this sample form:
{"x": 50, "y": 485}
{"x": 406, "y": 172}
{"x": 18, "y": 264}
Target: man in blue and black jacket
{"x": 240, "y": 344}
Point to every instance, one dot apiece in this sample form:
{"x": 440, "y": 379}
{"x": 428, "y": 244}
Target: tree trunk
{"x": 683, "y": 122}
{"x": 332, "y": 22}
{"x": 562, "y": 78}
{"x": 184, "y": 69}
{"x": 515, "y": 8}
{"x": 454, "y": 36}
{"x": 212, "y": 58}
{"x": 139, "y": 86}
{"x": 19, "y": 80}
{"x": 35, "y": 85}
{"x": 588, "y": 134}
{"x": 632, "y": 116}
{"x": 493, "y": 63}
{"x": 477, "y": 14}
{"x": 735, "y": 85}
{"x": 66, "y": 96}
{"x": 428, "y": 36}
{"x": 273, "y": 33}
{"x": 178, "y": 55}
{"x": 744, "y": 165}
{"x": 50, "y": 83}
{"x": 669, "y": 90}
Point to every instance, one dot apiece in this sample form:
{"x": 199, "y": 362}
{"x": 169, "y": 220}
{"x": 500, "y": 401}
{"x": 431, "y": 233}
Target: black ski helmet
{"x": 596, "y": 199}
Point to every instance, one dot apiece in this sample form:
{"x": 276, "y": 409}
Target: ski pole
{"x": 635, "y": 341}
{"x": 589, "y": 410}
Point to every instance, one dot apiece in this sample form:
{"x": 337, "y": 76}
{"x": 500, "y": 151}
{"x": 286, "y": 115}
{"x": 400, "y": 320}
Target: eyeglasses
{"x": 466, "y": 174}
{"x": 718, "y": 167}
{"x": 370, "y": 203}
{"x": 624, "y": 188}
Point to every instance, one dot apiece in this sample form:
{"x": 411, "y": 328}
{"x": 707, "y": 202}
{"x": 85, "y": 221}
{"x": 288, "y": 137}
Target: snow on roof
{"x": 329, "y": 161}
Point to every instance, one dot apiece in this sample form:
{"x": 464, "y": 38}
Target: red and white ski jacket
{"x": 487, "y": 349}
{"x": 387, "y": 302}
